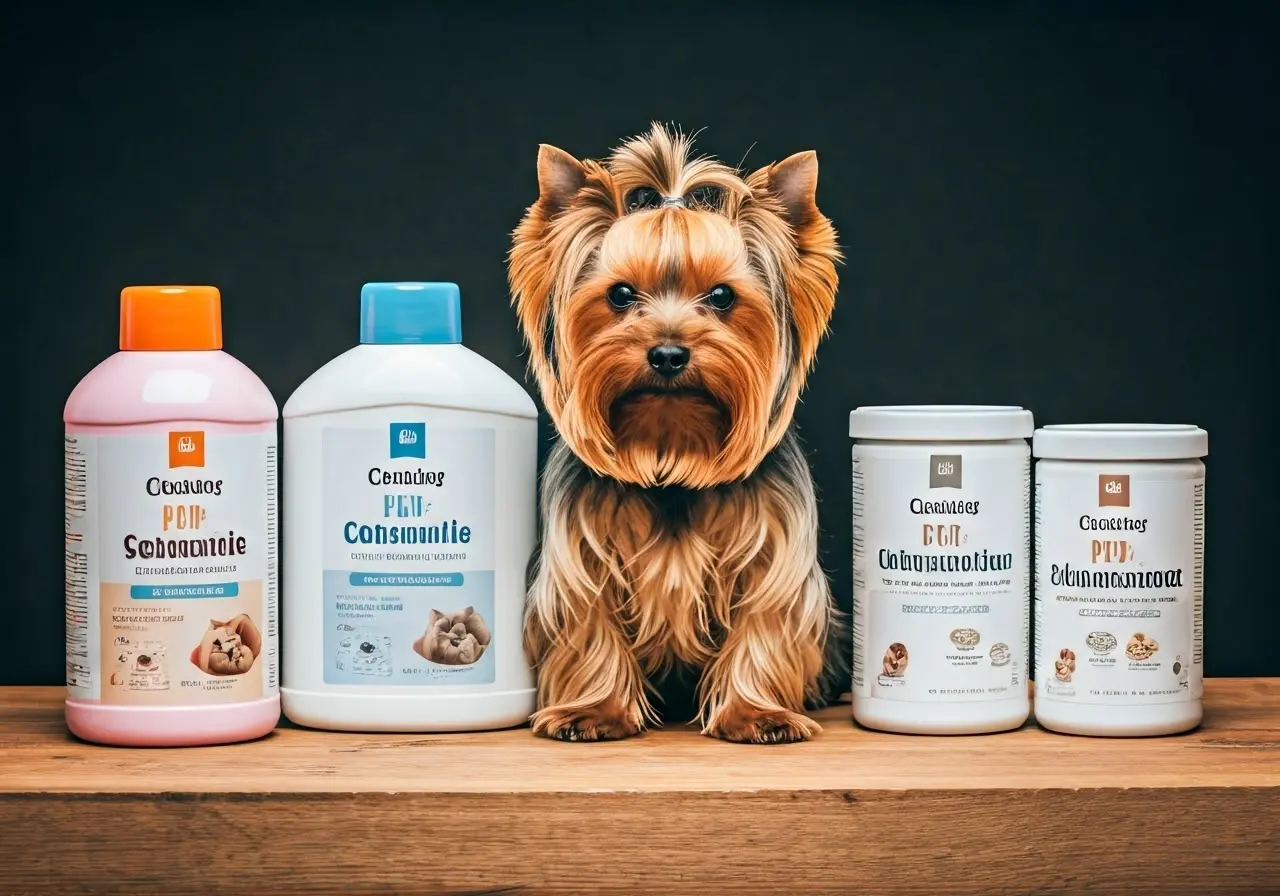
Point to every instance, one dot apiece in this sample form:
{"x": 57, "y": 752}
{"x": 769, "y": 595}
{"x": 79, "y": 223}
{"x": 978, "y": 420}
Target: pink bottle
{"x": 171, "y": 534}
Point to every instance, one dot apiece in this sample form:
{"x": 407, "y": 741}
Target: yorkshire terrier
{"x": 672, "y": 308}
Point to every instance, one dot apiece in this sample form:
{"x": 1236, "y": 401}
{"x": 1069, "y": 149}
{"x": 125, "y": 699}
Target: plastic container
{"x": 941, "y": 568}
{"x": 410, "y": 489}
{"x": 1119, "y": 578}
{"x": 170, "y": 494}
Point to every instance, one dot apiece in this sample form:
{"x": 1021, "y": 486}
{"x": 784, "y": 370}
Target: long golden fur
{"x": 680, "y": 522}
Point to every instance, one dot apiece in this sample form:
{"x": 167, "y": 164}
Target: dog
{"x": 456, "y": 639}
{"x": 671, "y": 308}
{"x": 228, "y": 648}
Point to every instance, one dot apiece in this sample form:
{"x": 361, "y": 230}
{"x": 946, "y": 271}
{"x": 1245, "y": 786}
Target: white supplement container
{"x": 410, "y": 482}
{"x": 1119, "y": 578}
{"x": 941, "y": 567}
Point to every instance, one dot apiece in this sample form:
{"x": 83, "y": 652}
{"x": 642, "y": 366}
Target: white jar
{"x": 1119, "y": 578}
{"x": 410, "y": 486}
{"x": 941, "y": 567}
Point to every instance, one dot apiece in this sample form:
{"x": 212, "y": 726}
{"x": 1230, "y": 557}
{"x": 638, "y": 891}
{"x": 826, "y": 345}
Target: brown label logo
{"x": 1113, "y": 490}
{"x": 944, "y": 470}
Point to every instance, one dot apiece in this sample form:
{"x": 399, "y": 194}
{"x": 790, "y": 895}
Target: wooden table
{"x": 670, "y": 813}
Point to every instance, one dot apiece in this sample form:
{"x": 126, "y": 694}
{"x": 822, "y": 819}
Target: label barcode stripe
{"x": 76, "y": 565}
{"x": 1037, "y": 601}
{"x": 1197, "y": 576}
{"x": 272, "y": 610}
{"x": 1026, "y": 591}
{"x": 859, "y": 583}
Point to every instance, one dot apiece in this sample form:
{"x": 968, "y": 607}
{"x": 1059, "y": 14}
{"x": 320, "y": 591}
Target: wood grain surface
{"x": 669, "y": 813}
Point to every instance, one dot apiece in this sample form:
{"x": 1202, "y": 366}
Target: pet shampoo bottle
{"x": 170, "y": 507}
{"x": 410, "y": 481}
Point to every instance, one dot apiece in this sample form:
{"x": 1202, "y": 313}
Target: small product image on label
{"x": 940, "y": 577}
{"x": 945, "y": 661}
{"x": 171, "y": 568}
{"x": 409, "y": 585}
{"x": 1116, "y": 597}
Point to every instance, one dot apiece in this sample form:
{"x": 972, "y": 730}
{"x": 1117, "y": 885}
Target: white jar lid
{"x": 941, "y": 423}
{"x": 1120, "y": 441}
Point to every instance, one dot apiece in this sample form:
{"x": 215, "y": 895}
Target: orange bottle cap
{"x": 170, "y": 318}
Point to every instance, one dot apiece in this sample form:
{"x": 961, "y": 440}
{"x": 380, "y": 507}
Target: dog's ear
{"x": 788, "y": 192}
{"x": 560, "y": 177}
{"x": 435, "y": 617}
{"x": 794, "y": 181}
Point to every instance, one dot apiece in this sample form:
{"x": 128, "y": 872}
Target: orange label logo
{"x": 186, "y": 449}
{"x": 1113, "y": 490}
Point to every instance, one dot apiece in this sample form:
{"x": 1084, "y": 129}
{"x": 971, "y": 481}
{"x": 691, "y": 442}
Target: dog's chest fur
{"x": 676, "y": 550}
{"x": 672, "y": 563}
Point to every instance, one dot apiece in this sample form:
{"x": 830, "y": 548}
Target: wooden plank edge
{"x": 1189, "y": 841}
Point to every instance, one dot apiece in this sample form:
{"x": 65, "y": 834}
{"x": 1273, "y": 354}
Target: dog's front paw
{"x": 605, "y": 722}
{"x": 754, "y": 726}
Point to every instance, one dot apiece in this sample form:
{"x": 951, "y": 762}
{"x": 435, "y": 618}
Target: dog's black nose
{"x": 668, "y": 360}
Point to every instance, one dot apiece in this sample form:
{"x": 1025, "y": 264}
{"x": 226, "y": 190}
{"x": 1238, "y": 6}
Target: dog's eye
{"x": 720, "y": 297}
{"x": 643, "y": 197}
{"x": 706, "y": 197}
{"x": 621, "y": 296}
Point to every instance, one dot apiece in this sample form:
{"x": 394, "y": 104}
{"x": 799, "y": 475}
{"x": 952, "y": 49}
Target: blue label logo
{"x": 409, "y": 440}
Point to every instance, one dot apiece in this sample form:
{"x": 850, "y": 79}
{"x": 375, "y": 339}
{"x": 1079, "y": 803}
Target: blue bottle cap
{"x": 410, "y": 314}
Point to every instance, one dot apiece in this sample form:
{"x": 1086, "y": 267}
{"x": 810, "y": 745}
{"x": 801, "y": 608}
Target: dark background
{"x": 1071, "y": 207}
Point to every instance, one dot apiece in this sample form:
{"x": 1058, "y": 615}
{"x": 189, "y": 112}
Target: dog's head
{"x": 672, "y": 306}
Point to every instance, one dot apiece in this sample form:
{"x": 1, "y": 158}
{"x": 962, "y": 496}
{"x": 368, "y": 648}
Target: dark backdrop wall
{"x": 1042, "y": 204}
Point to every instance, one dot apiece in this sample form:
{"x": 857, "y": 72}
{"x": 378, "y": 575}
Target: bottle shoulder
{"x": 152, "y": 387}
{"x": 446, "y": 376}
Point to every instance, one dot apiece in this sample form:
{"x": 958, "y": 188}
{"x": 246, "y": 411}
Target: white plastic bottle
{"x": 941, "y": 568}
{"x": 410, "y": 495}
{"x": 1119, "y": 578}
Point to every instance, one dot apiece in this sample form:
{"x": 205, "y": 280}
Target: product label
{"x": 1119, "y": 586}
{"x": 171, "y": 567}
{"x": 409, "y": 553}
{"x": 941, "y": 576}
